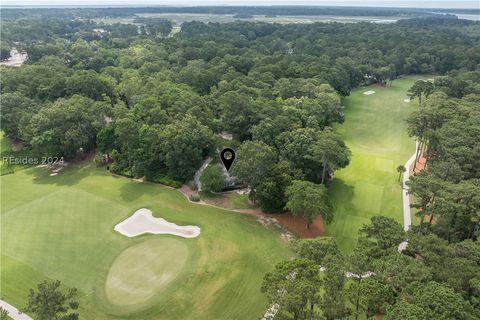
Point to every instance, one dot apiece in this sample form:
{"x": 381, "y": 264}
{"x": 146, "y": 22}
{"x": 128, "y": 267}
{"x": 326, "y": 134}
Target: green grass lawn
{"x": 376, "y": 133}
{"x": 61, "y": 227}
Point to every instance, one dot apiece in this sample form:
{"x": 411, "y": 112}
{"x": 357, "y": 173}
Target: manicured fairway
{"x": 61, "y": 227}
{"x": 376, "y": 133}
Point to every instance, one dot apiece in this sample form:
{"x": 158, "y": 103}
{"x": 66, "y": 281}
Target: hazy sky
{"x": 378, "y": 3}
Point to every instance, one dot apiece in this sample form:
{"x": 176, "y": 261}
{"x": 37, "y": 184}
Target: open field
{"x": 61, "y": 227}
{"x": 376, "y": 133}
{"x": 179, "y": 18}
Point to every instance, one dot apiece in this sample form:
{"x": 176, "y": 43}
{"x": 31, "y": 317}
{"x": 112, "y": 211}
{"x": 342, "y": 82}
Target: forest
{"x": 153, "y": 104}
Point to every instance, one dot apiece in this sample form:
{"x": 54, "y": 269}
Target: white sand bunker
{"x": 370, "y": 92}
{"x": 406, "y": 100}
{"x": 142, "y": 222}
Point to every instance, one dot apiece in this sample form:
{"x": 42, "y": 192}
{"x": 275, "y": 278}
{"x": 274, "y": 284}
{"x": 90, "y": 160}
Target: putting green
{"x": 62, "y": 227}
{"x": 144, "y": 270}
{"x": 376, "y": 133}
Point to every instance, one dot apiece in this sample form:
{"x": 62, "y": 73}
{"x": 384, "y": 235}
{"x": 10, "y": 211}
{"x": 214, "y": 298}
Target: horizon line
{"x": 217, "y": 5}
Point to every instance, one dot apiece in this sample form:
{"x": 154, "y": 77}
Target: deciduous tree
{"x": 213, "y": 179}
{"x": 50, "y": 303}
{"x": 253, "y": 162}
{"x": 308, "y": 200}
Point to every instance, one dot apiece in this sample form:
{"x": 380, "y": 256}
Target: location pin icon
{"x": 228, "y": 156}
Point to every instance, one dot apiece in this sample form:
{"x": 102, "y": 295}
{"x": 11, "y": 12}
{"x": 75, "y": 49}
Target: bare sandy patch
{"x": 142, "y": 221}
{"x": 369, "y": 92}
{"x": 16, "y": 58}
{"x": 406, "y": 100}
{"x": 226, "y": 136}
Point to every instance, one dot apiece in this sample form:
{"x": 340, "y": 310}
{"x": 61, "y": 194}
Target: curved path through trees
{"x": 13, "y": 312}
{"x": 407, "y": 219}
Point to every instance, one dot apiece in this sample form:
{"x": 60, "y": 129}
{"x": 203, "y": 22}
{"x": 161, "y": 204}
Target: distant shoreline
{"x": 471, "y": 10}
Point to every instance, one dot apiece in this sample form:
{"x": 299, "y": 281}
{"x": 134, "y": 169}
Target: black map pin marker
{"x": 228, "y": 156}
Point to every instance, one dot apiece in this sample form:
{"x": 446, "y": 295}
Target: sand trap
{"x": 53, "y": 174}
{"x": 370, "y": 92}
{"x": 142, "y": 222}
{"x": 406, "y": 100}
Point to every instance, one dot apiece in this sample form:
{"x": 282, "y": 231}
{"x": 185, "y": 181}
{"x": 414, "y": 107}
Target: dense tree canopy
{"x": 377, "y": 279}
{"x": 309, "y": 200}
{"x": 447, "y": 190}
{"x": 48, "y": 302}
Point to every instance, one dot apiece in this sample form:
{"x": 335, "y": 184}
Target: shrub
{"x": 100, "y": 159}
{"x": 159, "y": 177}
{"x": 213, "y": 179}
{"x": 115, "y": 168}
{"x": 195, "y": 197}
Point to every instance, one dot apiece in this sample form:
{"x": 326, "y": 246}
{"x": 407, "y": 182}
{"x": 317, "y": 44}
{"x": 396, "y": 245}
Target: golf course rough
{"x": 376, "y": 133}
{"x": 62, "y": 228}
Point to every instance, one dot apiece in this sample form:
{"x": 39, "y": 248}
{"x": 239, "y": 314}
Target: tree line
{"x": 447, "y": 191}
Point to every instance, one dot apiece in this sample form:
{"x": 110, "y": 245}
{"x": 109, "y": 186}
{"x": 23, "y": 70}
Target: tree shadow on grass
{"x": 71, "y": 175}
{"x": 133, "y": 190}
{"x": 67, "y": 176}
{"x": 341, "y": 195}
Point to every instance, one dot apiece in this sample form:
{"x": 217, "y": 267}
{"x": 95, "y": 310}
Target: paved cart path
{"x": 13, "y": 312}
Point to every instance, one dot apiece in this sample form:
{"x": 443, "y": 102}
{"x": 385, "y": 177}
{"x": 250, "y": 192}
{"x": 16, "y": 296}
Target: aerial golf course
{"x": 376, "y": 133}
{"x": 62, "y": 227}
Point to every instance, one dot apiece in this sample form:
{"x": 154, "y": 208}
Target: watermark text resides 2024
{"x": 12, "y": 160}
